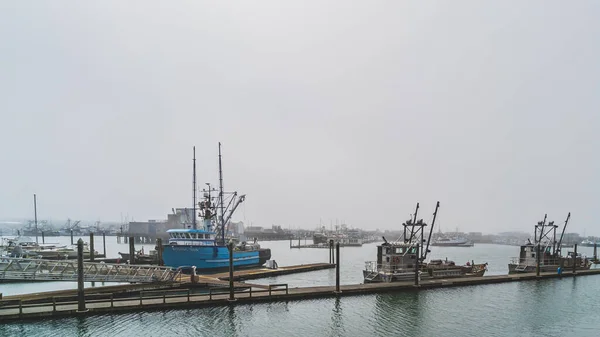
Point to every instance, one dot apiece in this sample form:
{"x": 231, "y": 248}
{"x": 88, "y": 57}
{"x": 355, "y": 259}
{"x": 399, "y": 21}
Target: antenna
{"x": 194, "y": 189}
{"x": 221, "y": 197}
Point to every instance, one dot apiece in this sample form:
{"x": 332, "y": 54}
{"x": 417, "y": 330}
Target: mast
{"x": 431, "y": 230}
{"x": 194, "y": 193}
{"x": 414, "y": 222}
{"x": 563, "y": 233}
{"x": 221, "y": 197}
{"x": 35, "y": 217}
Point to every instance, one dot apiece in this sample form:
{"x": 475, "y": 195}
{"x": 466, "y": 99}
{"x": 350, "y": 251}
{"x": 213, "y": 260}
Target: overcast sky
{"x": 348, "y": 110}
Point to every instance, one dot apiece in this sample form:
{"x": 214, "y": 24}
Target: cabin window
{"x": 387, "y": 250}
{"x": 532, "y": 254}
{"x": 399, "y": 250}
{"x": 387, "y": 259}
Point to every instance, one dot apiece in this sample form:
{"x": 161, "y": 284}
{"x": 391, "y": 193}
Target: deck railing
{"x": 109, "y": 299}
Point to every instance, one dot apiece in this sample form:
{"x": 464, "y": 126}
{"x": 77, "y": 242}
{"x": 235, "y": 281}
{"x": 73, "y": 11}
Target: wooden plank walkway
{"x": 161, "y": 300}
{"x": 252, "y": 274}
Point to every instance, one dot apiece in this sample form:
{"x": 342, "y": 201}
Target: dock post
{"x": 537, "y": 260}
{"x": 80, "y": 293}
{"x": 231, "y": 292}
{"x": 159, "y": 251}
{"x": 131, "y": 250}
{"x": 43, "y": 241}
{"x": 595, "y": 253}
{"x": 91, "y": 247}
{"x": 290, "y": 242}
{"x": 104, "y": 243}
{"x": 337, "y": 268}
{"x": 417, "y": 262}
{"x": 71, "y": 237}
{"x": 575, "y": 260}
{"x": 331, "y": 251}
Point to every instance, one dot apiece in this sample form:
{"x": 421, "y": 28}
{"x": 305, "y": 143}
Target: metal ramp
{"x": 66, "y": 270}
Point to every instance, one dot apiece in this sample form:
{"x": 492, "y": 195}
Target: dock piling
{"x": 337, "y": 268}
{"x": 80, "y": 293}
{"x": 159, "y": 251}
{"x": 131, "y": 250}
{"x": 43, "y": 241}
{"x": 417, "y": 262}
{"x": 331, "y": 252}
{"x": 575, "y": 260}
{"x": 537, "y": 260}
{"x": 104, "y": 243}
{"x": 91, "y": 247}
{"x": 231, "y": 290}
{"x": 71, "y": 237}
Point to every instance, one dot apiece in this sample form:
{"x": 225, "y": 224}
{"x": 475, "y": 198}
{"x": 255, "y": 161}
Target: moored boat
{"x": 207, "y": 247}
{"x": 404, "y": 260}
{"x": 546, "y": 252}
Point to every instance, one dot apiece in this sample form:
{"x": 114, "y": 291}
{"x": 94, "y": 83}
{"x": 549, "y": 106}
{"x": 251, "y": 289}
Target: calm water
{"x": 559, "y": 307}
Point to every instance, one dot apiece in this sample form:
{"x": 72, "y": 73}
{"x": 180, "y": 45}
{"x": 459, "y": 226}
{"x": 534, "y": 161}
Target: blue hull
{"x": 208, "y": 257}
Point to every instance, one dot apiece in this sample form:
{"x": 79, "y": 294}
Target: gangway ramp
{"x": 66, "y": 270}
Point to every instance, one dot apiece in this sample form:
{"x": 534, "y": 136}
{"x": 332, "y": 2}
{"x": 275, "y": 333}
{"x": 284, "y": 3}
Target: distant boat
{"x": 452, "y": 242}
{"x": 587, "y": 243}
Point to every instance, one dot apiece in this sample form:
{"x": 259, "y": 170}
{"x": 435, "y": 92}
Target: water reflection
{"x": 398, "y": 313}
{"x": 337, "y": 319}
{"x": 82, "y": 327}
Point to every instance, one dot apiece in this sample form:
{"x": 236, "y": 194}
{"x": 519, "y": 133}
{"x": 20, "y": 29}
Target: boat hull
{"x": 549, "y": 268}
{"x": 212, "y": 258}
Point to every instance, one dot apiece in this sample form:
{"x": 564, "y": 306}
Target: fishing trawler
{"x": 546, "y": 251}
{"x": 405, "y": 260}
{"x": 206, "y": 248}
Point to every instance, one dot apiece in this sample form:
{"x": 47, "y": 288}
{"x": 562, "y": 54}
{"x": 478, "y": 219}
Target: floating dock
{"x": 252, "y": 274}
{"x": 178, "y": 299}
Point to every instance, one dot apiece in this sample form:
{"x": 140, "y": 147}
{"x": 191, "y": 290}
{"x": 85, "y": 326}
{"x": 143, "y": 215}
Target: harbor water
{"x": 551, "y": 307}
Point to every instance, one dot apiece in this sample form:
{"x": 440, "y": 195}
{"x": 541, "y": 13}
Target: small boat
{"x": 140, "y": 257}
{"x": 404, "y": 260}
{"x": 549, "y": 250}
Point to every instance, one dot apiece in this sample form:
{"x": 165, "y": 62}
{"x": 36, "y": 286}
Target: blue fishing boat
{"x": 206, "y": 248}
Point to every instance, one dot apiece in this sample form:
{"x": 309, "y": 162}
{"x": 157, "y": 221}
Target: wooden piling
{"x": 417, "y": 262}
{"x": 537, "y": 259}
{"x": 131, "y": 250}
{"x": 231, "y": 290}
{"x": 71, "y": 237}
{"x": 43, "y": 241}
{"x": 575, "y": 260}
{"x": 104, "y": 243}
{"x": 337, "y": 268}
{"x": 159, "y": 252}
{"x": 91, "y": 247}
{"x": 80, "y": 291}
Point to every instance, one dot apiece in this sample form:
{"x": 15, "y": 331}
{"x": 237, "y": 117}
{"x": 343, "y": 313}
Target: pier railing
{"x": 66, "y": 270}
{"x": 109, "y": 300}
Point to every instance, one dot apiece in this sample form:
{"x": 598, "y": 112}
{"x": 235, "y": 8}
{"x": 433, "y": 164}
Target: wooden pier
{"x": 252, "y": 274}
{"x": 21, "y": 309}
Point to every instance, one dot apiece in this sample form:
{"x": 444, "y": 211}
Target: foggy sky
{"x": 326, "y": 110}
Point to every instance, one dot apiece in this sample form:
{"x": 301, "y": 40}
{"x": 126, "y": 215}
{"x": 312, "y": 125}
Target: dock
{"x": 252, "y": 274}
{"x": 179, "y": 299}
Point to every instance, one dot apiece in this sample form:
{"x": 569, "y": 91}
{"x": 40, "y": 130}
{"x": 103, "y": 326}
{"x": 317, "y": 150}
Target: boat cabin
{"x": 191, "y": 237}
{"x": 527, "y": 255}
{"x": 396, "y": 257}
